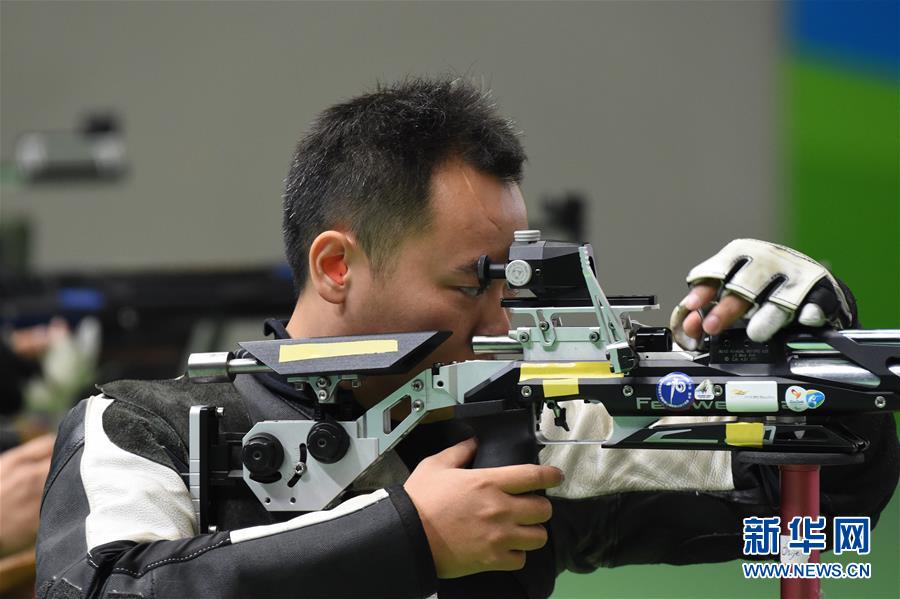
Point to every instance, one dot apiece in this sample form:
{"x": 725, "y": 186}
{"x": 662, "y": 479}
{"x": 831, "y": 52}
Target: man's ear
{"x": 330, "y": 255}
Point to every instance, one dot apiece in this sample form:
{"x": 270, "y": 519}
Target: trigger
{"x": 559, "y": 416}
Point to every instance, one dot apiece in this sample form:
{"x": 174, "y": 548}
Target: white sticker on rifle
{"x": 795, "y": 398}
{"x": 704, "y": 391}
{"x": 751, "y": 396}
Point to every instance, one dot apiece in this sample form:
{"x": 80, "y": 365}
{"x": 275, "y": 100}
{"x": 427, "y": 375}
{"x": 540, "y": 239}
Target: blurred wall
{"x": 661, "y": 112}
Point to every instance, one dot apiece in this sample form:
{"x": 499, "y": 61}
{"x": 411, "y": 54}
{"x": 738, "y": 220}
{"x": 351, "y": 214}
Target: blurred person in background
{"x": 24, "y": 461}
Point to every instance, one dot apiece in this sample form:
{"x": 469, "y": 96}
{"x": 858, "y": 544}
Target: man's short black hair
{"x": 367, "y": 164}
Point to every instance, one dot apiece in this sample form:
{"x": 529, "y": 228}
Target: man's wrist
{"x": 412, "y": 524}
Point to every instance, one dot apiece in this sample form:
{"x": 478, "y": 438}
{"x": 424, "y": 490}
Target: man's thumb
{"x": 459, "y": 455}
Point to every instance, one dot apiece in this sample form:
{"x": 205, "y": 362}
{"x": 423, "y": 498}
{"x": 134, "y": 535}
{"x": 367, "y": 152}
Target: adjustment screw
{"x": 322, "y": 394}
{"x": 417, "y": 385}
{"x": 524, "y": 337}
{"x": 418, "y": 405}
{"x": 518, "y": 273}
{"x": 526, "y": 391}
{"x": 627, "y": 390}
{"x": 717, "y": 390}
{"x": 321, "y": 382}
{"x": 594, "y": 336}
{"x": 880, "y": 402}
{"x": 527, "y": 235}
{"x": 544, "y": 325}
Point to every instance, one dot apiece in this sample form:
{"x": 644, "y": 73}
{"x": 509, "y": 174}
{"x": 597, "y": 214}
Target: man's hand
{"x": 23, "y": 471}
{"x": 480, "y": 519}
{"x": 763, "y": 280}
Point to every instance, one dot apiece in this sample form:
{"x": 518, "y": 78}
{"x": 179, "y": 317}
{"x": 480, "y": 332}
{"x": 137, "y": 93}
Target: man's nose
{"x": 495, "y": 319}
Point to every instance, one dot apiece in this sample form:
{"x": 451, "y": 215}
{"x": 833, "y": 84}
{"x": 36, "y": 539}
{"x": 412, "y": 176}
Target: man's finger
{"x": 456, "y": 456}
{"x": 812, "y": 315}
{"x": 684, "y": 321}
{"x": 730, "y": 308}
{"x": 767, "y": 321}
{"x": 514, "y": 559}
{"x": 525, "y": 478}
{"x": 693, "y": 325}
{"x": 700, "y": 295}
{"x": 531, "y": 509}
{"x": 529, "y": 538}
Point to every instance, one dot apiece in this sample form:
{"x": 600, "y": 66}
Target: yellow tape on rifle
{"x": 744, "y": 434}
{"x": 559, "y": 387}
{"x": 312, "y": 351}
{"x": 561, "y": 378}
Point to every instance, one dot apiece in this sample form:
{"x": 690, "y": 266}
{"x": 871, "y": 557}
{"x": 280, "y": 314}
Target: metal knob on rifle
{"x": 527, "y": 235}
{"x": 518, "y": 273}
{"x": 262, "y": 456}
{"x": 328, "y": 442}
{"x": 220, "y": 367}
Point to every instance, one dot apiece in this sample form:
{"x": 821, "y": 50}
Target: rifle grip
{"x": 504, "y": 439}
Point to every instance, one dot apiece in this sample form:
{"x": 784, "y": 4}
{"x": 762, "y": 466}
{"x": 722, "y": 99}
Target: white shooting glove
{"x": 779, "y": 281}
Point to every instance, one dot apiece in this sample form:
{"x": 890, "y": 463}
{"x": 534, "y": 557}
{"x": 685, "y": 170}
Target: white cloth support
{"x": 592, "y": 470}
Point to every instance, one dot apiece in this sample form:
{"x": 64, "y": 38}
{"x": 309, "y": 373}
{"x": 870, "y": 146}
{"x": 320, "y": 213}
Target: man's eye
{"x": 471, "y": 291}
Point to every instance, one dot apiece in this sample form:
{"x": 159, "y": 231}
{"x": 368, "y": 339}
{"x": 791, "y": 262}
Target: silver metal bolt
{"x": 627, "y": 390}
{"x": 524, "y": 337}
{"x": 544, "y": 325}
{"x": 594, "y": 336}
{"x": 418, "y": 405}
{"x": 417, "y": 385}
{"x": 220, "y": 411}
{"x": 880, "y": 401}
{"x": 322, "y": 394}
{"x": 526, "y": 391}
{"x": 527, "y": 235}
{"x": 717, "y": 390}
{"x": 321, "y": 382}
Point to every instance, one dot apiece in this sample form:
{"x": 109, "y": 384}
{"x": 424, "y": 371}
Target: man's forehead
{"x": 473, "y": 212}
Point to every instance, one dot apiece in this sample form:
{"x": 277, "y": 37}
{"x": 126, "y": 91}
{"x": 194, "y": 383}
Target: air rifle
{"x": 771, "y": 388}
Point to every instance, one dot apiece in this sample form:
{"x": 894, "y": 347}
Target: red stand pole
{"x": 799, "y": 497}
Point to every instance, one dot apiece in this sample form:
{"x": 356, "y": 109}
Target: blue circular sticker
{"x": 814, "y": 399}
{"x": 675, "y": 390}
